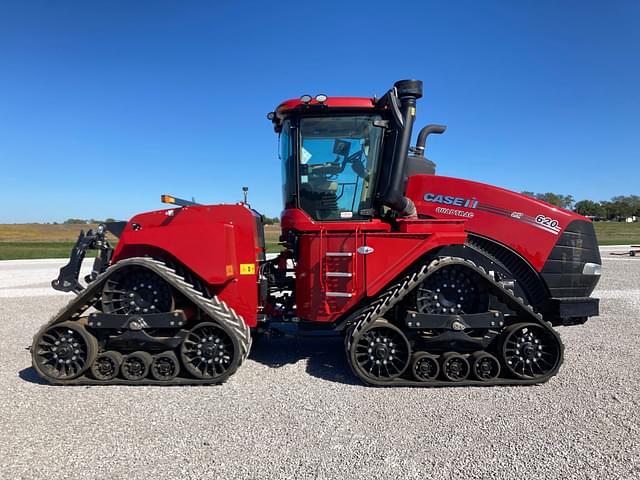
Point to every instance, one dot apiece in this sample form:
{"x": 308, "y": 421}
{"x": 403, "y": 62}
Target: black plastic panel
{"x": 562, "y": 271}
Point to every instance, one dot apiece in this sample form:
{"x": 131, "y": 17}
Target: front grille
{"x": 563, "y": 269}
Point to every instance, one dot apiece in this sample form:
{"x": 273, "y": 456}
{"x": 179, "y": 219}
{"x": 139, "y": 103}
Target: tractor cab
{"x": 330, "y": 163}
{"x": 337, "y": 165}
{"x": 344, "y": 158}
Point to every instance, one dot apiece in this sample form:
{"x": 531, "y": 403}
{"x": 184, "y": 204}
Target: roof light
{"x": 167, "y": 199}
{"x": 321, "y": 98}
{"x": 271, "y": 115}
{"x": 305, "y": 98}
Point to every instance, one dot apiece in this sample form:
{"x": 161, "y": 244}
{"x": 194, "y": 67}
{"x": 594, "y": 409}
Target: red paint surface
{"x": 332, "y": 102}
{"x": 529, "y": 240}
{"x": 392, "y": 254}
{"x": 212, "y": 241}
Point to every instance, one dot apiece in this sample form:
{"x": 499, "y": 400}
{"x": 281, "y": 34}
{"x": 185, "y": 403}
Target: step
{"x": 339, "y": 274}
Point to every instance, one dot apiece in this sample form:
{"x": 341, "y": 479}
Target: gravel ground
{"x": 294, "y": 410}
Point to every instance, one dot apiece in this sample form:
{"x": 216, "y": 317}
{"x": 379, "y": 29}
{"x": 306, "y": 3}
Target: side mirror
{"x": 340, "y": 147}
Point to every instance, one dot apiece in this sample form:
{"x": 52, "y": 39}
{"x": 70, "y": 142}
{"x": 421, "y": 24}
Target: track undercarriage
{"x": 419, "y": 332}
{"x": 150, "y": 325}
{"x": 445, "y": 323}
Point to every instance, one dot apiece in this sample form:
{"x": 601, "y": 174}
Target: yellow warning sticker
{"x": 247, "y": 268}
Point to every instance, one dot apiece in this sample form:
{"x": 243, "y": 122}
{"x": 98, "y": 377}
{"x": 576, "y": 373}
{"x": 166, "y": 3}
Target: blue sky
{"x": 106, "y": 105}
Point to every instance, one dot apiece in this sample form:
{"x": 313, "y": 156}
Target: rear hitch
{"x": 67, "y": 280}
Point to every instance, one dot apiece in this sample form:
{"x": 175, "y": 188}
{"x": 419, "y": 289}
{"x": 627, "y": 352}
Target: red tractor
{"x": 432, "y": 281}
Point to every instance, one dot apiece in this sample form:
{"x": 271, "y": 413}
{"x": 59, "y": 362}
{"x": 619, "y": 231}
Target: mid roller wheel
{"x": 425, "y": 367}
{"x": 530, "y": 351}
{"x": 63, "y": 351}
{"x": 135, "y": 366}
{"x": 484, "y": 366}
{"x": 380, "y": 353}
{"x": 455, "y": 367}
{"x": 210, "y": 352}
{"x": 106, "y": 366}
{"x": 165, "y": 366}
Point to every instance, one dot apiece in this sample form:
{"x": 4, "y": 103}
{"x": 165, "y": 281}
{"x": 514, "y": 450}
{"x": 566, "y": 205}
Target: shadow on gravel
{"x": 326, "y": 358}
{"x": 29, "y": 375}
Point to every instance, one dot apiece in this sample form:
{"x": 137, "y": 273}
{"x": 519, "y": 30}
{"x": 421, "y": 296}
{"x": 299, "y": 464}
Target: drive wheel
{"x": 455, "y": 367}
{"x": 425, "y": 367}
{"x": 380, "y": 353}
{"x": 107, "y": 366}
{"x": 210, "y": 352}
{"x": 135, "y": 366}
{"x": 136, "y": 290}
{"x": 165, "y": 366}
{"x": 530, "y": 351}
{"x": 452, "y": 290}
{"x": 63, "y": 351}
{"x": 484, "y": 366}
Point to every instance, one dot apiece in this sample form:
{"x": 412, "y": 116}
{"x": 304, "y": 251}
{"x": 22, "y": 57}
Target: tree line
{"x": 84, "y": 221}
{"x": 618, "y": 208}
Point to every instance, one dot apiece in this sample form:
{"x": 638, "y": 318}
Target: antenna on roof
{"x": 245, "y": 190}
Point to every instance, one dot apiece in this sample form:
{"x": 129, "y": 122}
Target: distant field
{"x": 272, "y": 237}
{"x": 23, "y": 241}
{"x": 26, "y": 250}
{"x": 36, "y": 232}
{"x": 618, "y": 233}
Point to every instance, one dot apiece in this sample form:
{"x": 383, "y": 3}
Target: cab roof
{"x": 331, "y": 102}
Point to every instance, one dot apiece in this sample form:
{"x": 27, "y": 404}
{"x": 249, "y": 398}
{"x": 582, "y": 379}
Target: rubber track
{"x": 213, "y": 307}
{"x": 362, "y": 319}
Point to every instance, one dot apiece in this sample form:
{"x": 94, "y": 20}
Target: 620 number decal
{"x": 548, "y": 222}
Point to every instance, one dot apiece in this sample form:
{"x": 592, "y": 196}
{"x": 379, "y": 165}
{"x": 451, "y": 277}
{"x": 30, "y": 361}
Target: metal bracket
{"x": 173, "y": 319}
{"x": 67, "y": 280}
{"x": 490, "y": 319}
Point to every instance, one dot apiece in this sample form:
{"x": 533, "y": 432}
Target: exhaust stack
{"x": 406, "y": 92}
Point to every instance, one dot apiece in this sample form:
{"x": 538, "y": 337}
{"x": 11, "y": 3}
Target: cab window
{"x": 338, "y": 163}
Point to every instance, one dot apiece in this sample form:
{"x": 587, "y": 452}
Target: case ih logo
{"x": 450, "y": 200}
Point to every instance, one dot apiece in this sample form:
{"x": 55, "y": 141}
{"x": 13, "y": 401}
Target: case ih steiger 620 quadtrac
{"x": 431, "y": 280}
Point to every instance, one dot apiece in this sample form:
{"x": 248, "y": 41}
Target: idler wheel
{"x": 530, "y": 351}
{"x": 210, "y": 351}
{"x": 382, "y": 352}
{"x": 165, "y": 366}
{"x": 454, "y": 367}
{"x": 135, "y": 366}
{"x": 484, "y": 366}
{"x": 106, "y": 366}
{"x": 425, "y": 367}
{"x": 64, "y": 351}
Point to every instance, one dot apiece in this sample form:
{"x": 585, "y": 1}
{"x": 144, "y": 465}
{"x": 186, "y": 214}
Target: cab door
{"x": 329, "y": 274}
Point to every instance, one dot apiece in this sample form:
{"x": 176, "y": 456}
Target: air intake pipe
{"x": 407, "y": 92}
{"x": 424, "y": 133}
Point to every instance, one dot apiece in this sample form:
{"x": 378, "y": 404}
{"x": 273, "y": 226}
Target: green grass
{"x": 618, "y": 233}
{"x": 26, "y": 250}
